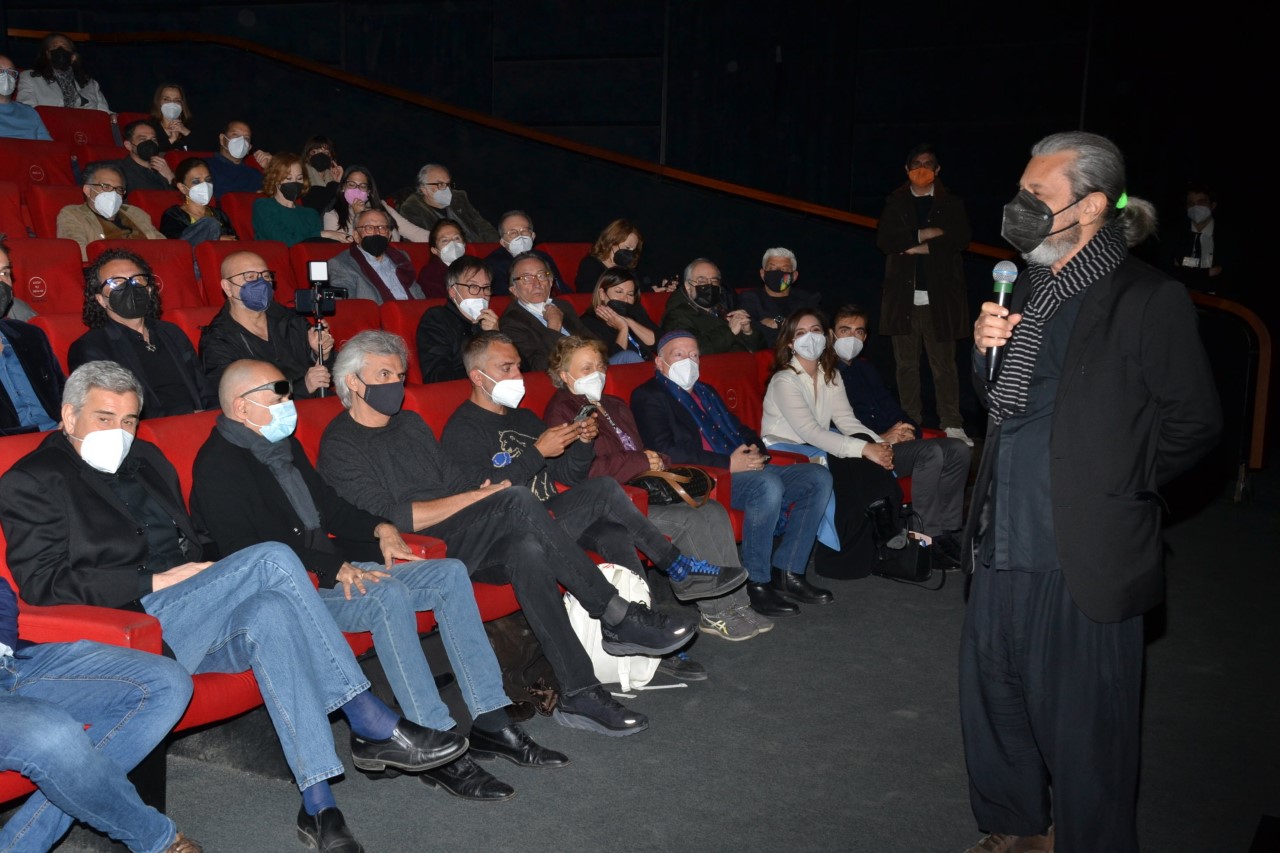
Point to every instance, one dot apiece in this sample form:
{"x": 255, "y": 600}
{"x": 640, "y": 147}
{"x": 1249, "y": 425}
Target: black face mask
{"x": 707, "y": 296}
{"x": 130, "y": 302}
{"x": 623, "y": 308}
{"x": 624, "y": 258}
{"x": 384, "y": 399}
{"x": 375, "y": 244}
{"x": 60, "y": 58}
{"x": 6, "y": 299}
{"x": 147, "y": 148}
{"x": 1028, "y": 221}
{"x": 291, "y": 190}
{"x": 773, "y": 279}
{"x": 320, "y": 161}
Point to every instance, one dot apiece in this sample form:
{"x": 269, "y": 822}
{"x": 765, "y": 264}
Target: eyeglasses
{"x": 139, "y": 280}
{"x": 253, "y": 275}
{"x": 373, "y": 229}
{"x": 706, "y": 282}
{"x": 107, "y": 188}
{"x": 281, "y": 388}
{"x": 441, "y": 185}
{"x": 355, "y": 185}
{"x": 512, "y": 233}
{"x": 475, "y": 289}
{"x": 197, "y": 182}
{"x": 530, "y": 277}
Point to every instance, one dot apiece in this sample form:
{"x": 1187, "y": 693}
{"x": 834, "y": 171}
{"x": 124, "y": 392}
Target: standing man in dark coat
{"x": 923, "y": 230}
{"x": 1103, "y": 396}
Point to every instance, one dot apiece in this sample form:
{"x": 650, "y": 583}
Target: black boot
{"x": 798, "y": 588}
{"x": 766, "y": 601}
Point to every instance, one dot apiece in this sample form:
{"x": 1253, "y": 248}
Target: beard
{"x": 1055, "y": 247}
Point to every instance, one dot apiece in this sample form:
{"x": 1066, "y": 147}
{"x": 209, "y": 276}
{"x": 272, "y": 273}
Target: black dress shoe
{"x": 766, "y": 601}
{"x": 469, "y": 781}
{"x": 514, "y": 744}
{"x": 798, "y": 588}
{"x": 326, "y": 832}
{"x": 411, "y": 747}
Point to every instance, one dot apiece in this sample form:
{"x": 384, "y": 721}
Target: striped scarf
{"x": 1096, "y": 259}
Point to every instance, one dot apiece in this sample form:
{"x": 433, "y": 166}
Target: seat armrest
{"x": 722, "y": 492}
{"x": 930, "y": 432}
{"x": 787, "y": 457}
{"x": 426, "y": 547}
{"x": 67, "y": 623}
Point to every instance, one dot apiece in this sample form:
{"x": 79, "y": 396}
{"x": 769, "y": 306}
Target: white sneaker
{"x": 958, "y": 432}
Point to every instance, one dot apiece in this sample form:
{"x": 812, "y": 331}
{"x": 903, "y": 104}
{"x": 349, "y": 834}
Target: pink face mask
{"x": 354, "y": 194}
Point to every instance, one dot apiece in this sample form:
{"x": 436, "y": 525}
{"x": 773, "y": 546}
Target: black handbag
{"x": 898, "y": 555}
{"x": 682, "y": 483}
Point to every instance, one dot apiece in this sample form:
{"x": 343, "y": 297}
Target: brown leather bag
{"x": 682, "y": 483}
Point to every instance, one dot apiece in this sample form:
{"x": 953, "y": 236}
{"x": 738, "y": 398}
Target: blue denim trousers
{"x": 764, "y": 496}
{"x": 129, "y": 699}
{"x": 257, "y": 609}
{"x": 389, "y": 610}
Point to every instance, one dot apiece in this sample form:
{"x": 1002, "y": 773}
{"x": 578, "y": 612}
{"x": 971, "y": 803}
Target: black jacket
{"x": 110, "y": 343}
{"x": 1136, "y": 406}
{"x": 667, "y": 427}
{"x": 224, "y": 341}
{"x": 533, "y": 340}
{"x": 442, "y": 334}
{"x": 71, "y": 539}
{"x": 31, "y": 346}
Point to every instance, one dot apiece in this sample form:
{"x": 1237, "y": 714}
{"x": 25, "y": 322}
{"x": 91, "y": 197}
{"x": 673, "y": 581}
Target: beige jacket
{"x": 78, "y": 222}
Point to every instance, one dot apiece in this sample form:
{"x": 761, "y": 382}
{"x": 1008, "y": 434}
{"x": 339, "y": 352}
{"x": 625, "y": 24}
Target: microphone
{"x": 1005, "y": 273}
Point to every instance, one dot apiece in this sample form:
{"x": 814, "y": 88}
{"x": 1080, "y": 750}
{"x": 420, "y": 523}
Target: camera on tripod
{"x": 319, "y": 300}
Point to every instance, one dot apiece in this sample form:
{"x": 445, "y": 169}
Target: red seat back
{"x": 171, "y": 263}
{"x": 191, "y": 320}
{"x": 419, "y": 253}
{"x": 622, "y": 379}
{"x": 481, "y": 250}
{"x": 402, "y": 316}
{"x": 33, "y": 162}
{"x": 155, "y": 202}
{"x": 124, "y": 119}
{"x": 77, "y": 126}
{"x": 301, "y": 254}
{"x": 580, "y": 301}
{"x": 86, "y": 154}
{"x": 568, "y": 256}
{"x": 12, "y": 224}
{"x": 736, "y": 378}
{"x": 211, "y": 253}
{"x": 655, "y": 304}
{"x": 437, "y": 402}
{"x": 48, "y": 275}
{"x": 538, "y": 392}
{"x": 180, "y": 438}
{"x": 62, "y": 331}
{"x": 239, "y": 209}
{"x": 173, "y": 157}
{"x": 352, "y": 316}
{"x": 314, "y": 415}
{"x": 45, "y": 202}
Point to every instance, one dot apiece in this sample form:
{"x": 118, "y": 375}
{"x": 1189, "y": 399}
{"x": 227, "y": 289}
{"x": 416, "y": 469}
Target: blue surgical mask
{"x": 256, "y": 295}
{"x": 284, "y": 419}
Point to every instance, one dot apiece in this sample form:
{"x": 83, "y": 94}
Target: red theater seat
{"x": 62, "y": 331}
{"x": 211, "y": 253}
{"x": 568, "y": 256}
{"x": 124, "y": 119}
{"x": 45, "y": 201}
{"x": 31, "y": 162}
{"x": 174, "y": 157}
{"x": 86, "y": 154}
{"x": 180, "y": 437}
{"x": 239, "y": 209}
{"x": 170, "y": 261}
{"x": 481, "y": 250}
{"x": 437, "y": 401}
{"x": 48, "y": 275}
{"x": 655, "y": 304}
{"x": 352, "y": 316}
{"x": 301, "y": 254}
{"x": 75, "y": 126}
{"x": 155, "y": 202}
{"x": 419, "y": 253}
{"x": 12, "y": 223}
{"x": 191, "y": 320}
{"x": 402, "y": 316}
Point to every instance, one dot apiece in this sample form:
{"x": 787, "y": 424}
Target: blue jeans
{"x": 389, "y": 610}
{"x": 257, "y": 609}
{"x": 129, "y": 699}
{"x": 763, "y": 496}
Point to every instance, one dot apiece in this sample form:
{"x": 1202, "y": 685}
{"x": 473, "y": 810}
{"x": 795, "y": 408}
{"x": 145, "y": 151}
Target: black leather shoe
{"x": 326, "y": 832}
{"x": 798, "y": 588}
{"x": 469, "y": 781}
{"x": 766, "y": 601}
{"x": 411, "y": 747}
{"x": 514, "y": 744}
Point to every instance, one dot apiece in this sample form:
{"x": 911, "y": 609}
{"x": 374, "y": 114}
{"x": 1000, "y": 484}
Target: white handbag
{"x": 631, "y": 671}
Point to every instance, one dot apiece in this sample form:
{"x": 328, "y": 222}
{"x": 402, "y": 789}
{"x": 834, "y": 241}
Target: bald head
{"x": 240, "y": 377}
{"x": 238, "y": 262}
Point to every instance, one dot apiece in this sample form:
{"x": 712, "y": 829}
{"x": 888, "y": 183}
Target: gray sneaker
{"x": 697, "y": 585}
{"x": 729, "y": 625}
{"x": 763, "y": 623}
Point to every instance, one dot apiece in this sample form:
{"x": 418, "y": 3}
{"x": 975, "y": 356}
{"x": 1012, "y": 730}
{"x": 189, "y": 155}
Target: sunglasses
{"x": 281, "y": 388}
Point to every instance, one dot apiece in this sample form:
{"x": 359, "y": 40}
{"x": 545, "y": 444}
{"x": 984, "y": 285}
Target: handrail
{"x": 1262, "y": 384}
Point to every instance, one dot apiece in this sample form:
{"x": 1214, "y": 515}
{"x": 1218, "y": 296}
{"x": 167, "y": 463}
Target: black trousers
{"x": 1049, "y": 705}
{"x": 856, "y": 484}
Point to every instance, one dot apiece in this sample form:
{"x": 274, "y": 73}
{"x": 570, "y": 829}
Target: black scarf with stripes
{"x": 1097, "y": 258}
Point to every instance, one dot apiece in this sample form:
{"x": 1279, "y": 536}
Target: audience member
{"x": 387, "y": 462}
{"x": 279, "y": 216}
{"x": 57, "y": 78}
{"x": 77, "y": 743}
{"x": 436, "y": 199}
{"x": 619, "y": 245}
{"x": 122, "y": 311}
{"x": 253, "y": 483}
{"x": 145, "y": 167}
{"x": 533, "y": 320}
{"x": 447, "y": 245}
{"x": 372, "y": 268}
{"x": 17, "y": 120}
{"x": 687, "y": 421}
{"x": 253, "y": 325}
{"x": 806, "y": 411}
{"x": 170, "y": 116}
{"x": 358, "y": 192}
{"x": 320, "y": 160}
{"x": 230, "y": 173}
{"x": 777, "y": 298}
{"x": 104, "y": 215}
{"x": 445, "y": 330}
{"x": 578, "y": 371}
{"x": 195, "y": 220}
{"x": 938, "y": 467}
{"x": 517, "y": 236}
{"x": 700, "y": 307}
{"x": 923, "y": 230}
{"x": 1193, "y": 251}
{"x": 30, "y": 378}
{"x": 71, "y": 511}
{"x": 617, "y": 318}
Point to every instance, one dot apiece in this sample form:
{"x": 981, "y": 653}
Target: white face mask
{"x": 238, "y": 147}
{"x": 590, "y": 386}
{"x": 1198, "y": 213}
{"x": 452, "y": 251}
{"x": 508, "y": 392}
{"x": 105, "y": 449}
{"x": 684, "y": 373}
{"x": 171, "y": 111}
{"x": 520, "y": 245}
{"x": 442, "y": 197}
{"x": 107, "y": 204}
{"x": 7, "y": 84}
{"x": 810, "y": 345}
{"x": 472, "y": 306}
{"x": 848, "y": 348}
{"x": 538, "y": 308}
{"x": 201, "y": 193}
